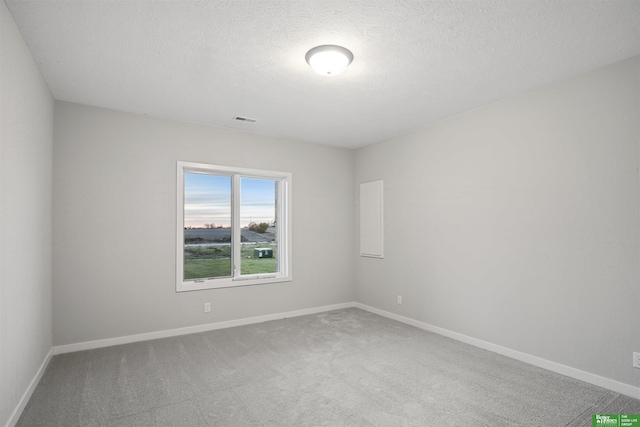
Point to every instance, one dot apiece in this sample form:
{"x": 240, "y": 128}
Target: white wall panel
{"x": 115, "y": 213}
{"x": 372, "y": 219}
{"x": 517, "y": 223}
{"x": 26, "y": 138}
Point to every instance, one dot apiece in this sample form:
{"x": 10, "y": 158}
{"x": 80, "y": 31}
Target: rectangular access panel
{"x": 371, "y": 219}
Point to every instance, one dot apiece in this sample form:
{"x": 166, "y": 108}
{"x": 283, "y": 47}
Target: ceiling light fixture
{"x": 329, "y": 60}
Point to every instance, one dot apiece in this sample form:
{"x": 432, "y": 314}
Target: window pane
{"x": 259, "y": 243}
{"x": 207, "y": 226}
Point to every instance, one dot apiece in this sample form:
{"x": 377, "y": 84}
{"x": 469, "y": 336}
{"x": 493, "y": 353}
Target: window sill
{"x": 231, "y": 283}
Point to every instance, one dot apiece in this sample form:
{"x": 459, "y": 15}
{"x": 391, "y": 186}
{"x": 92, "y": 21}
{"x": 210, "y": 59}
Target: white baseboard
{"x": 22, "y": 403}
{"x": 558, "y": 368}
{"x": 89, "y": 345}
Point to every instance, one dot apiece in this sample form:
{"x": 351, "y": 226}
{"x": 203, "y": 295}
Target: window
{"x": 233, "y": 227}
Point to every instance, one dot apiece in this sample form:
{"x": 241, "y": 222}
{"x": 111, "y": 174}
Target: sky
{"x": 208, "y": 200}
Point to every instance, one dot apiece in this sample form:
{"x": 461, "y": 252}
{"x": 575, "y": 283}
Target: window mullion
{"x": 235, "y": 226}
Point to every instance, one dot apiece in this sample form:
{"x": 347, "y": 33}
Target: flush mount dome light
{"x": 329, "y": 60}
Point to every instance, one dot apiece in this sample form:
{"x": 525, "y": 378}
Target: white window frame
{"x": 283, "y": 217}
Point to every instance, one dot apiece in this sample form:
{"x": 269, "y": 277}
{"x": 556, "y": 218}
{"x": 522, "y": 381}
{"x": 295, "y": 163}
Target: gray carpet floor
{"x": 340, "y": 368}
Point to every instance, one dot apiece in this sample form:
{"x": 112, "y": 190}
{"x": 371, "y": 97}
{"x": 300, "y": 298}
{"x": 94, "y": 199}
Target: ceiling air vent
{"x": 244, "y": 119}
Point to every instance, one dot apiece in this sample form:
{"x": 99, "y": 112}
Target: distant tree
{"x": 258, "y": 228}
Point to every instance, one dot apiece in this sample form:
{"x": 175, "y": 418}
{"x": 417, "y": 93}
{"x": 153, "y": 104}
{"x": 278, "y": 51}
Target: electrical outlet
{"x": 636, "y": 360}
{"x": 207, "y": 307}
{"x": 399, "y": 299}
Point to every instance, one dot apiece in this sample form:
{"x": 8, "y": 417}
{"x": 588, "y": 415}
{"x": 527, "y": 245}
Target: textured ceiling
{"x": 415, "y": 61}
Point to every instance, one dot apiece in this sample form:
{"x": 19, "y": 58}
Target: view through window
{"x": 234, "y": 225}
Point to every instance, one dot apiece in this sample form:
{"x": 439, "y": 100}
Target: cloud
{"x": 208, "y": 200}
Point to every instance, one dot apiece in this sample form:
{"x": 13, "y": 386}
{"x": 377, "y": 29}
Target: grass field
{"x": 202, "y": 262}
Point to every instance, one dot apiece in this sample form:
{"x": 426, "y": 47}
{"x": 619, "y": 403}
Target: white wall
{"x": 518, "y": 223}
{"x": 26, "y": 135}
{"x": 114, "y": 224}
